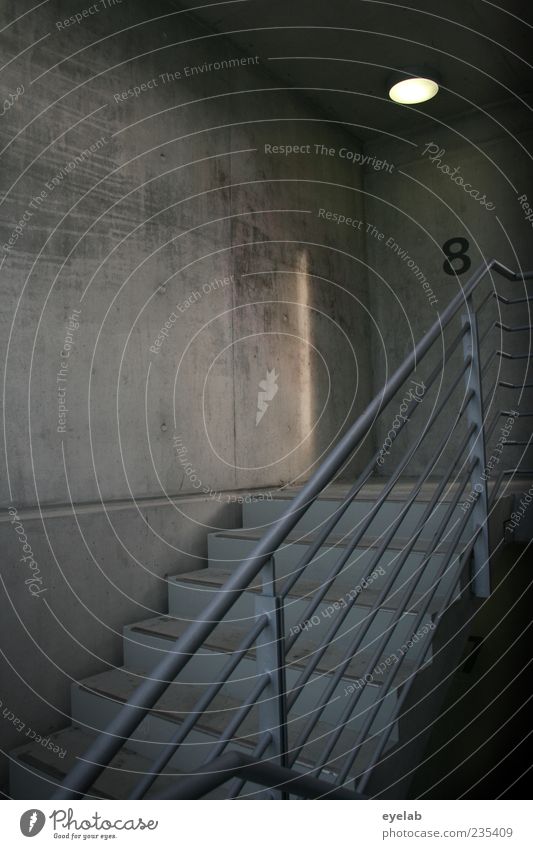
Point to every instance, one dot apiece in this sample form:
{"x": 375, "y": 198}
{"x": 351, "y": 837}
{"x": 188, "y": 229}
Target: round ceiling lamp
{"x": 413, "y": 86}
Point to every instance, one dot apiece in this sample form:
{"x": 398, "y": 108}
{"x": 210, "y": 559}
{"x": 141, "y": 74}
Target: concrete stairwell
{"x": 35, "y": 770}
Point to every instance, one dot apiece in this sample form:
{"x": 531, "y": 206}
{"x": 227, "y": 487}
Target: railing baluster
{"x": 337, "y": 623}
{"x": 356, "y": 643}
{"x": 513, "y": 301}
{"x": 352, "y": 543}
{"x": 385, "y": 734}
{"x": 270, "y": 658}
{"x": 475, "y": 415}
{"x": 506, "y": 385}
{"x": 374, "y": 709}
{"x": 520, "y": 328}
{"x": 237, "y": 784}
{"x": 228, "y": 734}
{"x": 199, "y": 708}
{"x": 329, "y": 526}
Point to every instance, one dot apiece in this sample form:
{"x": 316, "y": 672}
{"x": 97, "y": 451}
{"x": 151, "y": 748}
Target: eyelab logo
{"x": 32, "y": 822}
{"x": 267, "y": 390}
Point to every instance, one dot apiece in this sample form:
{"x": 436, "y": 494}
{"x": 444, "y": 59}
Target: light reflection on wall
{"x": 304, "y": 319}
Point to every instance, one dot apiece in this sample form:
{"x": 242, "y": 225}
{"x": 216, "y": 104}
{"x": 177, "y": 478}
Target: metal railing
{"x": 282, "y": 739}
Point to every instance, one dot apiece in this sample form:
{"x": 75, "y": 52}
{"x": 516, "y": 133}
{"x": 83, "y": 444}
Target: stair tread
{"x": 216, "y": 576}
{"x": 226, "y": 637}
{"x": 422, "y": 545}
{"x": 118, "y": 685}
{"x": 371, "y": 490}
{"x": 124, "y": 771}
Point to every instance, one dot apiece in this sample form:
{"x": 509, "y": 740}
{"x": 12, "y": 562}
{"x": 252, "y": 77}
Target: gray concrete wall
{"x": 417, "y": 207}
{"x": 164, "y": 252}
{"x": 164, "y": 264}
{"x": 164, "y": 209}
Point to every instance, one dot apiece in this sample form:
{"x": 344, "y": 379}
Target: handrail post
{"x": 270, "y": 657}
{"x": 480, "y": 568}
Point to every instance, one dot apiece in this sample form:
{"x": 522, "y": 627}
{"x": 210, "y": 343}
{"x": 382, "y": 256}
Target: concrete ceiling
{"x": 341, "y": 52}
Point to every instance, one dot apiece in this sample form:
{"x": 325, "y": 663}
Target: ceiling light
{"x": 413, "y": 87}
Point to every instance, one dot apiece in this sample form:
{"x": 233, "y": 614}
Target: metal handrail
{"x": 147, "y": 694}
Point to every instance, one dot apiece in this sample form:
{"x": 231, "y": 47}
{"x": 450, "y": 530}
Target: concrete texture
{"x": 418, "y": 208}
{"x": 156, "y": 281}
{"x": 165, "y": 212}
{"x": 176, "y": 242}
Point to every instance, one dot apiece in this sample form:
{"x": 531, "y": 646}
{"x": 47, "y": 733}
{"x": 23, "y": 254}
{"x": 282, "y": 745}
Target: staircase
{"x": 321, "y": 635}
{"x": 96, "y": 700}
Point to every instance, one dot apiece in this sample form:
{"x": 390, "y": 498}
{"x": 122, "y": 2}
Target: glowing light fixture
{"x": 413, "y": 86}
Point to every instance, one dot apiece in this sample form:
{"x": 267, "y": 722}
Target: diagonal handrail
{"x": 146, "y": 695}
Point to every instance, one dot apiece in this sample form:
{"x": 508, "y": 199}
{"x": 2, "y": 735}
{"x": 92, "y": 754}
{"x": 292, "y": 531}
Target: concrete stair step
{"x": 96, "y": 700}
{"x": 35, "y": 772}
{"x": 189, "y": 593}
{"x": 212, "y": 578}
{"x": 261, "y": 512}
{"x": 334, "y": 540}
{"x": 227, "y": 549}
{"x": 146, "y": 642}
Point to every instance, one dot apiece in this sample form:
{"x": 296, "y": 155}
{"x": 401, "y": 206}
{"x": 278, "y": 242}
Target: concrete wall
{"x": 165, "y": 254}
{"x": 418, "y": 207}
{"x": 164, "y": 264}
